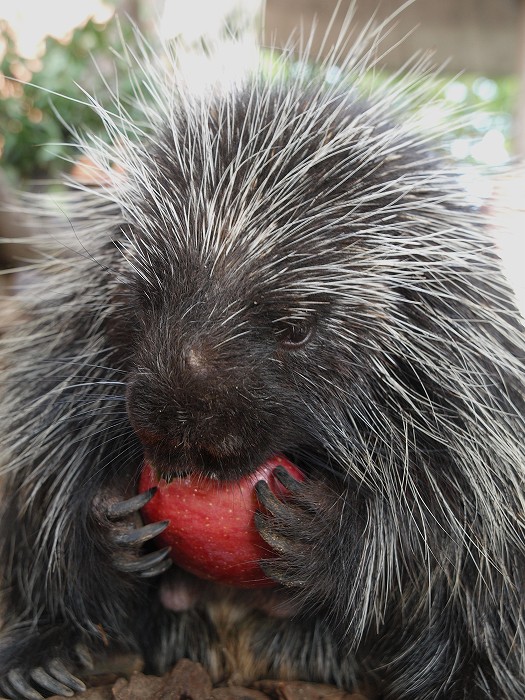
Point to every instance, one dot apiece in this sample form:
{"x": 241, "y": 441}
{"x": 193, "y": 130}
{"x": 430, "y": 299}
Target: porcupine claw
{"x": 269, "y": 500}
{"x": 16, "y": 686}
{"x": 278, "y": 527}
{"x": 61, "y": 673}
{"x": 84, "y": 656}
{"x": 121, "y": 509}
{"x": 48, "y": 671}
{"x": 45, "y": 680}
{"x": 277, "y": 542}
{"x": 54, "y": 679}
{"x": 148, "y": 565}
{"x": 287, "y": 480}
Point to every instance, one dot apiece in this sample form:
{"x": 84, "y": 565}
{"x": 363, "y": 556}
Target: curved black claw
{"x": 290, "y": 580}
{"x": 280, "y": 519}
{"x": 122, "y": 509}
{"x": 141, "y": 534}
{"x": 157, "y": 570}
{"x": 269, "y": 500}
{"x": 45, "y": 680}
{"x": 54, "y": 678}
{"x": 61, "y": 673}
{"x": 289, "y": 523}
{"x": 287, "y": 480}
{"x": 147, "y": 566}
{"x": 17, "y": 682}
{"x": 265, "y": 529}
{"x": 84, "y": 656}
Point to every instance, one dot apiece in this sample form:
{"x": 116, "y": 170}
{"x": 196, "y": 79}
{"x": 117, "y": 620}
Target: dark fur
{"x": 387, "y": 589}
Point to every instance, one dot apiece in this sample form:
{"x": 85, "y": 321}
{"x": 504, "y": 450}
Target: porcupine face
{"x": 213, "y": 391}
{"x": 242, "y": 340}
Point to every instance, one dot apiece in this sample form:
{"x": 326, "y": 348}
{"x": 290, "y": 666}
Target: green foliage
{"x": 34, "y": 138}
{"x": 35, "y": 141}
{"x": 473, "y": 113}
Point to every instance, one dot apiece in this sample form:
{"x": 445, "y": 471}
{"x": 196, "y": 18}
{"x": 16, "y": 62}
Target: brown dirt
{"x": 189, "y": 681}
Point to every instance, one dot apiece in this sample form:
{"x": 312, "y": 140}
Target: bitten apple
{"x": 212, "y": 533}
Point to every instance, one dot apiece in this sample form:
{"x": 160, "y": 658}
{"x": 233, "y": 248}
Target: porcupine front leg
{"x": 324, "y": 558}
{"x": 53, "y": 677}
{"x": 129, "y": 539}
{"x": 284, "y": 528}
{"x": 39, "y": 656}
{"x": 319, "y": 540}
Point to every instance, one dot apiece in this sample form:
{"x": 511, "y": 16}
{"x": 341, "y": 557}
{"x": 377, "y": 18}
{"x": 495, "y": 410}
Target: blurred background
{"x": 62, "y": 45}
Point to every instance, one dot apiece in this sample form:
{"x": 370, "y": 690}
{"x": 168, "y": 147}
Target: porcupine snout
{"x": 200, "y": 402}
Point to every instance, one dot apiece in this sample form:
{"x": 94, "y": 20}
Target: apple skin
{"x": 212, "y": 533}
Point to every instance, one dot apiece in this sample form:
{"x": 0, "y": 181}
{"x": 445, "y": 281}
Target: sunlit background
{"x": 33, "y": 21}
{"x": 487, "y": 142}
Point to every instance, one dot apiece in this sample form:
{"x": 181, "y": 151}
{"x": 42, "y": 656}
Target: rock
{"x": 301, "y": 690}
{"x": 186, "y": 681}
{"x": 138, "y": 687}
{"x": 235, "y": 692}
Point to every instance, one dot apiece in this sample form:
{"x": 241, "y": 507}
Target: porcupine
{"x": 284, "y": 264}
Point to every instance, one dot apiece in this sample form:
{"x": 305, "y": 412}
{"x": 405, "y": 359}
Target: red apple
{"x": 212, "y": 532}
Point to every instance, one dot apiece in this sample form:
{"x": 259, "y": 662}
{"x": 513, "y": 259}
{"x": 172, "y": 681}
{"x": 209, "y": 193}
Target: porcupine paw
{"x": 128, "y": 537}
{"x": 51, "y": 677}
{"x": 290, "y": 527}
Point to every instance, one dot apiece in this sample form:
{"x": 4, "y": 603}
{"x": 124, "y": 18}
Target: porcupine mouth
{"x": 173, "y": 462}
{"x": 223, "y": 461}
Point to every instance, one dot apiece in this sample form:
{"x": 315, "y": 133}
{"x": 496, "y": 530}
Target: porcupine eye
{"x": 294, "y": 333}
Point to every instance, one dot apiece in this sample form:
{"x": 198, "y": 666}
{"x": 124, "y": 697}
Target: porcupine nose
{"x": 214, "y": 403}
{"x": 190, "y": 407}
{"x": 197, "y": 363}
